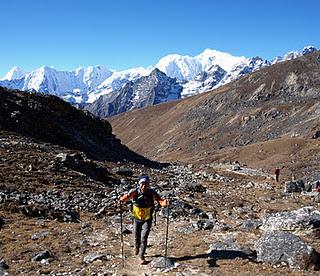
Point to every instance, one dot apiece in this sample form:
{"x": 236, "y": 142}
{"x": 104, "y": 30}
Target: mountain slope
{"x": 50, "y": 119}
{"x": 281, "y": 101}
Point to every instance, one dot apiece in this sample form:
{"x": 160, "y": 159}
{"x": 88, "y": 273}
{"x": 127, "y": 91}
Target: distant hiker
{"x": 317, "y": 186}
{"x": 277, "y": 172}
{"x": 143, "y": 199}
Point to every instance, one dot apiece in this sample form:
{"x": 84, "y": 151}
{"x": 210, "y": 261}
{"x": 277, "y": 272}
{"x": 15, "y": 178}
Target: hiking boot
{"x": 143, "y": 261}
{"x": 136, "y": 251}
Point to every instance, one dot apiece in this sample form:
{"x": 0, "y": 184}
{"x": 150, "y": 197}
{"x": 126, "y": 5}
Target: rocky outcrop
{"x": 281, "y": 247}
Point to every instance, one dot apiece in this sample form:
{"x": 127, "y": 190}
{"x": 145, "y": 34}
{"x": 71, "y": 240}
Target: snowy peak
{"x": 15, "y": 73}
{"x": 180, "y": 67}
{"x": 212, "y": 57}
{"x": 208, "y": 70}
{"x": 308, "y": 50}
{"x": 95, "y": 75}
{"x": 185, "y": 68}
{"x": 295, "y": 54}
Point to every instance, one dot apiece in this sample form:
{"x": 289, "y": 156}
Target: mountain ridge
{"x": 280, "y": 101}
{"x": 85, "y": 85}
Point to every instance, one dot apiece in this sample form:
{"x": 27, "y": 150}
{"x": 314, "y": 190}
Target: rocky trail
{"x": 62, "y": 171}
{"x": 55, "y": 219}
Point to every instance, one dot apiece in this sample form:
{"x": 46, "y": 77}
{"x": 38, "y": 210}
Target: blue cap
{"x": 143, "y": 178}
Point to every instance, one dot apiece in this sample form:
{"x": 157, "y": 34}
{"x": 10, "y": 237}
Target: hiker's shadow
{"x": 215, "y": 255}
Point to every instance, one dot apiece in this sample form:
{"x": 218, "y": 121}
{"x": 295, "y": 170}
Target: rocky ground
{"x": 59, "y": 216}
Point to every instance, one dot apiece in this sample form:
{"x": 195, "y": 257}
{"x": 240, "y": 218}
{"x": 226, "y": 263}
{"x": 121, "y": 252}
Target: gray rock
{"x": 251, "y": 224}
{"x": 123, "y": 171}
{"x": 203, "y": 224}
{"x": 306, "y": 218}
{"x": 3, "y": 265}
{"x": 294, "y": 186}
{"x": 40, "y": 235}
{"x": 187, "y": 229}
{"x": 236, "y": 167}
{"x": 193, "y": 187}
{"x": 162, "y": 262}
{"x": 94, "y": 257}
{"x": 41, "y": 256}
{"x": 278, "y": 247}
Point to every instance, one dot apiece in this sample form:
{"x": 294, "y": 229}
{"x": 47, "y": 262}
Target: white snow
{"x": 212, "y": 57}
{"x": 88, "y": 84}
{"x": 14, "y": 73}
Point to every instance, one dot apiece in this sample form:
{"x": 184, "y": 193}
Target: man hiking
{"x": 143, "y": 199}
{"x": 277, "y": 172}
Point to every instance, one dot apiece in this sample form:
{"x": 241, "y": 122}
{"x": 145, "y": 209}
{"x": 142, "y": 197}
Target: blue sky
{"x": 121, "y": 34}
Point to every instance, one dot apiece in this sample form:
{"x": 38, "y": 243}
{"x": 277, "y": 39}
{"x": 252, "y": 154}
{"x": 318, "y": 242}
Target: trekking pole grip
{"x": 167, "y": 230}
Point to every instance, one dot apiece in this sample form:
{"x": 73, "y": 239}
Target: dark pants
{"x": 141, "y": 230}
{"x": 277, "y": 172}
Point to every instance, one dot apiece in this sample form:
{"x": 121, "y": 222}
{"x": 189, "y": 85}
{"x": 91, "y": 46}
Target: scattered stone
{"x": 306, "y": 218}
{"x": 316, "y": 135}
{"x": 283, "y": 247}
{"x": 90, "y": 258}
{"x": 162, "y": 263}
{"x": 193, "y": 187}
{"x": 102, "y": 212}
{"x": 38, "y": 210}
{"x": 122, "y": 171}
{"x": 236, "y": 167}
{"x": 251, "y": 224}
{"x": 37, "y": 236}
{"x": 41, "y": 256}
{"x": 3, "y": 265}
{"x": 294, "y": 186}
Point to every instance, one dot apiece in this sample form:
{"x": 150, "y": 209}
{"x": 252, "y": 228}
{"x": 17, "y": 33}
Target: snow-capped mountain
{"x": 295, "y": 54}
{"x": 149, "y": 90}
{"x": 14, "y": 74}
{"x": 72, "y": 86}
{"x": 197, "y": 74}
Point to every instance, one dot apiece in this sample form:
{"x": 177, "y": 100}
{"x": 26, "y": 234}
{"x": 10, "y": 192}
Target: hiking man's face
{"x": 144, "y": 186}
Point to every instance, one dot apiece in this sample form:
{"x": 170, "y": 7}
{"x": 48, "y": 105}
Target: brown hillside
{"x": 271, "y": 110}
{"x": 49, "y": 119}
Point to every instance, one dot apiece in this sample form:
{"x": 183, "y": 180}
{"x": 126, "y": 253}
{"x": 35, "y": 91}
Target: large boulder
{"x": 285, "y": 248}
{"x": 306, "y": 218}
{"x": 294, "y": 186}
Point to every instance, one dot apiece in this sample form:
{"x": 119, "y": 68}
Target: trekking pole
{"x": 155, "y": 216}
{"x": 121, "y": 229}
{"x": 167, "y": 230}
